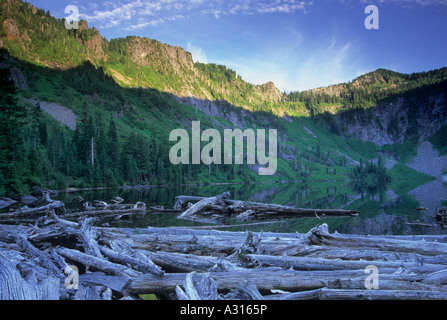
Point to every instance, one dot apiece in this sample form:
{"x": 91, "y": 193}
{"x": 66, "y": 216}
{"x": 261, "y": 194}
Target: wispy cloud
{"x": 197, "y": 53}
{"x": 409, "y": 3}
{"x": 325, "y": 65}
{"x": 137, "y": 14}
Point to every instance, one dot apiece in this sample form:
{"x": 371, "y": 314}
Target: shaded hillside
{"x": 127, "y": 95}
{"x": 393, "y": 110}
{"x": 33, "y": 35}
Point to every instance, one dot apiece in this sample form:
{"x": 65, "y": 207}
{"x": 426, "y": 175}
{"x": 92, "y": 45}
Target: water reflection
{"x": 382, "y": 211}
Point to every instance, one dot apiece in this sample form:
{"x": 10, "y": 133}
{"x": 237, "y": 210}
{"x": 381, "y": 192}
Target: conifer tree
{"x": 11, "y": 135}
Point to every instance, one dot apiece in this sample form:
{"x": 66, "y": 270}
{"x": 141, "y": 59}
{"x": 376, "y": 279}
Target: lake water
{"x": 381, "y": 213}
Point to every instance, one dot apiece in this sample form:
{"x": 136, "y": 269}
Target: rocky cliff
{"x": 394, "y": 122}
{"x": 34, "y": 35}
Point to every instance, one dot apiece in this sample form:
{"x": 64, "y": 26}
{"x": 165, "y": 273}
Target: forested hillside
{"x": 114, "y": 103}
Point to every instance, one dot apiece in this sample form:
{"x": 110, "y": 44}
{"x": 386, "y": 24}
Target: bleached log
{"x": 88, "y": 236}
{"x": 51, "y": 214}
{"x": 133, "y": 210}
{"x": 116, "y": 283}
{"x": 42, "y": 258}
{"x": 346, "y": 253}
{"x": 306, "y": 263}
{"x": 246, "y": 290}
{"x": 347, "y": 294}
{"x": 386, "y": 244}
{"x": 244, "y": 210}
{"x": 204, "y": 204}
{"x": 54, "y": 233}
{"x": 181, "y": 202}
{"x": 385, "y": 283}
{"x": 330, "y": 294}
{"x": 141, "y": 264}
{"x": 55, "y": 205}
{"x": 100, "y": 204}
{"x": 90, "y": 293}
{"x": 439, "y": 277}
{"x": 14, "y": 287}
{"x": 208, "y": 242}
{"x": 204, "y": 288}
{"x": 178, "y": 262}
{"x": 98, "y": 263}
{"x": 264, "y": 280}
{"x": 302, "y": 295}
{"x": 117, "y": 200}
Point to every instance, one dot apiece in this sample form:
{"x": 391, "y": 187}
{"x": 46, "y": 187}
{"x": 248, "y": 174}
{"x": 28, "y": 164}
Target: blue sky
{"x": 297, "y": 44}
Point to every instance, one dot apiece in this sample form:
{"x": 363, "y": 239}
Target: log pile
{"x": 117, "y": 210}
{"x": 221, "y": 207}
{"x": 68, "y": 260}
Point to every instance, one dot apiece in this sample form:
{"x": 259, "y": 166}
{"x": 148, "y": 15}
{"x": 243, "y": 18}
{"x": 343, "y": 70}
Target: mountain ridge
{"x": 135, "y": 90}
{"x": 32, "y": 34}
{"x": 171, "y": 68}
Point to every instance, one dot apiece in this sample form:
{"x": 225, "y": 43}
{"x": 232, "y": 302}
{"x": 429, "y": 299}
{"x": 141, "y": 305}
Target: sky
{"x": 297, "y": 44}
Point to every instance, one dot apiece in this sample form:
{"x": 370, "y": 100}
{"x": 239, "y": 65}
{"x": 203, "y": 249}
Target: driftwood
{"x": 184, "y": 263}
{"x": 241, "y": 271}
{"x": 222, "y": 207}
{"x": 110, "y": 210}
{"x": 264, "y": 280}
{"x": 305, "y": 263}
{"x": 88, "y": 238}
{"x": 13, "y": 286}
{"x": 42, "y": 259}
{"x": 97, "y": 263}
{"x": 203, "y": 289}
{"x": 122, "y": 253}
{"x": 26, "y": 212}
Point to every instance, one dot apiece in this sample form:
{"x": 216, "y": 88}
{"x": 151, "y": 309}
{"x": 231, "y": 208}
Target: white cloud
{"x": 409, "y": 2}
{"x": 198, "y": 55}
{"x": 325, "y": 66}
{"x": 163, "y": 10}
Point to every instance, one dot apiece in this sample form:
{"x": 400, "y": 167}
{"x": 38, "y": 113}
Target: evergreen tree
{"x": 11, "y": 135}
{"x": 113, "y": 147}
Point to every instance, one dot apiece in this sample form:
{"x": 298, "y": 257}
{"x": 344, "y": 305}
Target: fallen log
{"x": 203, "y": 242}
{"x": 321, "y": 236}
{"x": 263, "y": 279}
{"x": 331, "y": 294}
{"x": 242, "y": 210}
{"x": 204, "y": 204}
{"x": 25, "y": 212}
{"x": 42, "y": 258}
{"x": 97, "y": 263}
{"x": 204, "y": 288}
{"x": 6, "y": 202}
{"x": 182, "y": 202}
{"x": 438, "y": 277}
{"x": 88, "y": 235}
{"x": 347, "y": 253}
{"x": 306, "y": 263}
{"x": 385, "y": 283}
{"x": 15, "y": 287}
{"x": 123, "y": 254}
{"x": 116, "y": 283}
{"x": 242, "y": 265}
{"x": 246, "y": 290}
{"x": 52, "y": 215}
{"x": 303, "y": 295}
{"x": 93, "y": 293}
{"x": 140, "y": 209}
{"x": 177, "y": 262}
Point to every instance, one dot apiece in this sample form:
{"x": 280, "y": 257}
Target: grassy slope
{"x": 155, "y": 114}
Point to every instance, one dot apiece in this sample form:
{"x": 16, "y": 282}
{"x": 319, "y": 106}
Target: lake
{"x": 381, "y": 212}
